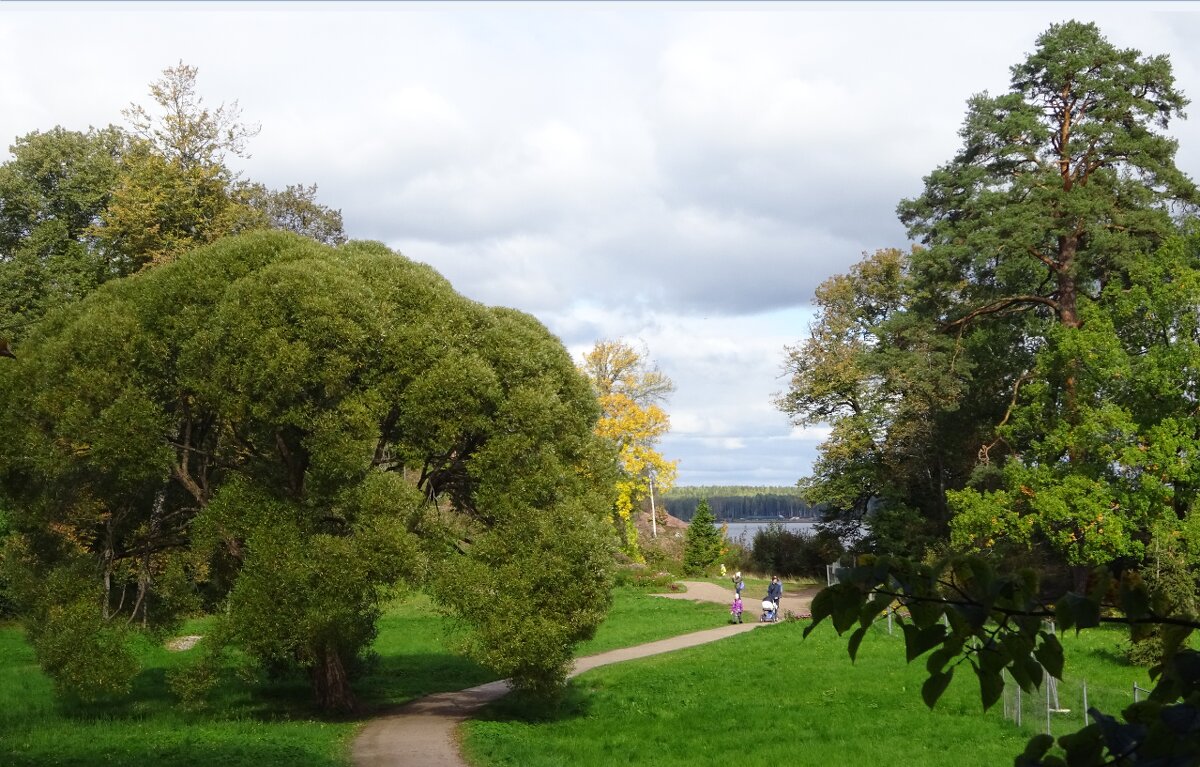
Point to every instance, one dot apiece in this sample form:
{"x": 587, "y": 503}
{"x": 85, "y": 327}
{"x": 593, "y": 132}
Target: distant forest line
{"x": 738, "y": 502}
{"x": 729, "y": 491}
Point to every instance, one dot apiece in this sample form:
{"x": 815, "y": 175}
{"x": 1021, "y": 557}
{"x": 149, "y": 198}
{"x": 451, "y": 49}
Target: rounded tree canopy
{"x": 287, "y": 428}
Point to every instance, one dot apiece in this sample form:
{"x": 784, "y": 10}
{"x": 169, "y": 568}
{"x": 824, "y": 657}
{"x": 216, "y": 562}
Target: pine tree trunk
{"x": 331, "y": 686}
{"x": 1068, "y": 316}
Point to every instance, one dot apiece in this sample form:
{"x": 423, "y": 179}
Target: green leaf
{"x": 855, "y": 640}
{"x": 1134, "y": 596}
{"x": 822, "y": 608}
{"x": 1078, "y": 612}
{"x": 919, "y": 640}
{"x": 1049, "y": 653}
{"x": 925, "y": 613}
{"x": 1037, "y": 747}
{"x": 1174, "y": 637}
{"x": 873, "y": 608}
{"x": 847, "y": 605}
{"x": 938, "y": 659}
{"x": 934, "y": 686}
{"x": 991, "y": 686}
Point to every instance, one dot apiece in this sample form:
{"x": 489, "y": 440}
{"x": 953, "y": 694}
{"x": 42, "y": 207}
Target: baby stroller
{"x": 770, "y": 612}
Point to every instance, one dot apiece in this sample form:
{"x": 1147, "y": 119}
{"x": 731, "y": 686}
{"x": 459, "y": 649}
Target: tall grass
{"x": 769, "y": 697}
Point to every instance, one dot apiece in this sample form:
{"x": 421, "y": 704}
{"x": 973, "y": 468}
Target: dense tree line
{"x": 729, "y": 491}
{"x": 1014, "y": 398}
{"x": 731, "y": 508}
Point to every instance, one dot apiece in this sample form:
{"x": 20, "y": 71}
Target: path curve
{"x": 423, "y": 733}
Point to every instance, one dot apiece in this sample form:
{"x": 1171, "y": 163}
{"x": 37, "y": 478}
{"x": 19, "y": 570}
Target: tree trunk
{"x": 1080, "y": 574}
{"x": 1067, "y": 290}
{"x": 1068, "y": 315}
{"x": 331, "y": 686}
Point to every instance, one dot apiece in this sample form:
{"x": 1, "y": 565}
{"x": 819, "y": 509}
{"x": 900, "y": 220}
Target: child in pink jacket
{"x": 736, "y": 608}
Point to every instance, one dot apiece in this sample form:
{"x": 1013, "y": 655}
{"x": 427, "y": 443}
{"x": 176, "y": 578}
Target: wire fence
{"x": 1060, "y": 707}
{"x": 1057, "y": 707}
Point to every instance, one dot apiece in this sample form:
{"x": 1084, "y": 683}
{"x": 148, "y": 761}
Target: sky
{"x": 677, "y": 175}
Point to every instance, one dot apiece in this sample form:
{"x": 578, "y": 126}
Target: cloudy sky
{"x": 678, "y": 175}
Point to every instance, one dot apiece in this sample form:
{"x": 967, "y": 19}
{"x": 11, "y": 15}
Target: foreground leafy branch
{"x": 963, "y": 612}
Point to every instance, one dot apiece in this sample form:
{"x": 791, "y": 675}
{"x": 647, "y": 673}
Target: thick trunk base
{"x": 331, "y": 686}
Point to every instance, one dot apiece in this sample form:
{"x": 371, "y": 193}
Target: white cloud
{"x": 684, "y": 174}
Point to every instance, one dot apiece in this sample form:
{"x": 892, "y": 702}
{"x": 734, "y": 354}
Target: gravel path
{"x": 423, "y": 733}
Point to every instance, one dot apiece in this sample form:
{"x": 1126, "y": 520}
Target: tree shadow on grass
{"x": 390, "y": 681}
{"x": 380, "y": 683}
{"x": 574, "y": 702}
{"x": 183, "y": 753}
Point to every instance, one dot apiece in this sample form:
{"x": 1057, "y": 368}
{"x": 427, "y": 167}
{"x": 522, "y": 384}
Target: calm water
{"x": 746, "y": 530}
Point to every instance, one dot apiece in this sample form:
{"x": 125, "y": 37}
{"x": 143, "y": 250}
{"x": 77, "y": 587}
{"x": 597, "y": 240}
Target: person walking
{"x": 738, "y": 583}
{"x": 736, "y": 608}
{"x": 775, "y": 593}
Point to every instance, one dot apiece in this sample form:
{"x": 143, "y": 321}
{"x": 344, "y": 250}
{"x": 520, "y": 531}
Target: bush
{"x": 643, "y": 578}
{"x": 664, "y": 553}
{"x": 737, "y": 556}
{"x": 780, "y": 551}
{"x": 1173, "y": 585}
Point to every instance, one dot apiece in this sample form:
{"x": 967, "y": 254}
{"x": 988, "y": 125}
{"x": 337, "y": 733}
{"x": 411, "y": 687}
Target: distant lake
{"x": 746, "y": 530}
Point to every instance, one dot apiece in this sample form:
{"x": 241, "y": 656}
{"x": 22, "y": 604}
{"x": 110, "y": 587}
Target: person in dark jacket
{"x": 775, "y": 591}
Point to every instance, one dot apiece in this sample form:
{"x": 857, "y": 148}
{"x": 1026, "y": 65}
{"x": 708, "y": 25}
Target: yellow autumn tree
{"x": 631, "y": 391}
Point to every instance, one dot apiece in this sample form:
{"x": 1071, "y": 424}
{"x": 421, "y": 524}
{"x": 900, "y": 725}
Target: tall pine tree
{"x": 702, "y": 545}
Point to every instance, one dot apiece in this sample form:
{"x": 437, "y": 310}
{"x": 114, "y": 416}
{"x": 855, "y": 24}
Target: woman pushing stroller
{"x": 770, "y": 605}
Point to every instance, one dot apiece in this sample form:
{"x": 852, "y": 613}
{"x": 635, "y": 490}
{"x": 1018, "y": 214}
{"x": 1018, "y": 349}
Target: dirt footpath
{"x": 797, "y": 601}
{"x": 424, "y": 733}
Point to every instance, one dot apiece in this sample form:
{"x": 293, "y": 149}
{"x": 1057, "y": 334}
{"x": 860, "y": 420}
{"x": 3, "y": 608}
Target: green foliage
{"x": 729, "y": 491}
{"x": 290, "y": 430}
{"x": 1032, "y": 331}
{"x": 87, "y": 657}
{"x": 735, "y": 507}
{"x": 642, "y": 578}
{"x": 272, "y": 723}
{"x": 80, "y": 208}
{"x": 8, "y": 606}
{"x": 293, "y": 209}
{"x": 961, "y": 612}
{"x": 887, "y": 385}
{"x": 784, "y": 552}
{"x": 53, "y": 189}
{"x": 703, "y": 543}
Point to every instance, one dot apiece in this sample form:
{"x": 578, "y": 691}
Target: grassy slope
{"x": 770, "y": 698}
{"x": 706, "y": 705}
{"x": 269, "y": 722}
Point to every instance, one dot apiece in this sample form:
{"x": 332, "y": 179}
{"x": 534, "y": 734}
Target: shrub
{"x": 785, "y": 552}
{"x": 643, "y": 578}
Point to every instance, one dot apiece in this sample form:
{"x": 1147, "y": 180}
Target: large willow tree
{"x": 286, "y": 430}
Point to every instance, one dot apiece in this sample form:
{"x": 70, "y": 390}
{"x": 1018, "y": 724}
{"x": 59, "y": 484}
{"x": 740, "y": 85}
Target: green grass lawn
{"x": 269, "y": 723}
{"x": 769, "y": 697}
{"x": 766, "y": 697}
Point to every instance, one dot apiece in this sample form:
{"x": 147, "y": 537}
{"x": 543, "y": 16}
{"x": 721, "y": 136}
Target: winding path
{"x": 423, "y": 733}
